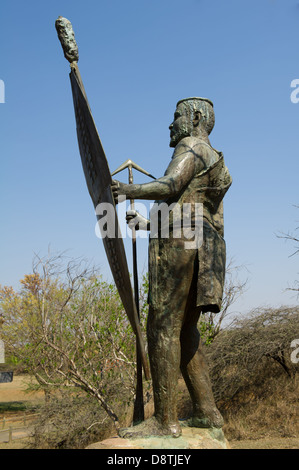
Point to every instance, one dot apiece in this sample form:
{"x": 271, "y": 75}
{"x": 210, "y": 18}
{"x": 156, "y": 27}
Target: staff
{"x": 138, "y": 414}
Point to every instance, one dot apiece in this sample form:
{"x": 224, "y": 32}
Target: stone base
{"x": 191, "y": 438}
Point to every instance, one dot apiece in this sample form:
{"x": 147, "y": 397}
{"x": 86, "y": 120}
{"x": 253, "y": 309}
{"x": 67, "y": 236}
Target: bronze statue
{"x": 185, "y": 280}
{"x": 183, "y": 283}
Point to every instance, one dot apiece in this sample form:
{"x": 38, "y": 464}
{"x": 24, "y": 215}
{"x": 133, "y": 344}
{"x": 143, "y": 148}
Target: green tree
{"x": 68, "y": 327}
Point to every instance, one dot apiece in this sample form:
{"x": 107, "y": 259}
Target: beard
{"x": 177, "y": 136}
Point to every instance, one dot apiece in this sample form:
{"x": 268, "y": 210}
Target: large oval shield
{"x": 98, "y": 179}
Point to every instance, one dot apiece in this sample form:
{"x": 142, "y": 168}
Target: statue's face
{"x": 181, "y": 126}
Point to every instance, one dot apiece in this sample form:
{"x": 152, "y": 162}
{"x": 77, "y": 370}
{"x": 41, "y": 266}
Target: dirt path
{"x": 16, "y": 434}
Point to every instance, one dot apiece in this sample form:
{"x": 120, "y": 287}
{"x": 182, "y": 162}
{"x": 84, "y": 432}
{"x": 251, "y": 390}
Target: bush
{"x": 254, "y": 380}
{"x": 72, "y": 421}
{"x": 243, "y": 355}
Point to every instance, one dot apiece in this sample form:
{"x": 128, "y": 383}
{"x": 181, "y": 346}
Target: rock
{"x": 6, "y": 376}
{"x": 191, "y": 438}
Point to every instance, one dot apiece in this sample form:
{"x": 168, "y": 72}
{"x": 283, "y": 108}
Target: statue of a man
{"x": 183, "y": 282}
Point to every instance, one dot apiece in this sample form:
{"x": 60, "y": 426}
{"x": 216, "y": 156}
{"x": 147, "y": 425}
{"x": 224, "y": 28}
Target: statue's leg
{"x": 195, "y": 370}
{"x": 171, "y": 274}
{"x": 165, "y": 353}
{"x": 174, "y": 277}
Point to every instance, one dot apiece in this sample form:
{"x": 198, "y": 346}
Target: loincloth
{"x": 172, "y": 267}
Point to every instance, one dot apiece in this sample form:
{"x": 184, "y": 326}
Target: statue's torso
{"x": 207, "y": 187}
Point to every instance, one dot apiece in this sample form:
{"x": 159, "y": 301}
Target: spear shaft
{"x": 138, "y": 414}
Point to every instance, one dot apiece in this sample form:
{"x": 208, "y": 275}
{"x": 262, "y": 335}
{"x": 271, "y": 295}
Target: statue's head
{"x": 192, "y": 117}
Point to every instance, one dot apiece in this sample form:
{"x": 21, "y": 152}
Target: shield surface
{"x": 98, "y": 179}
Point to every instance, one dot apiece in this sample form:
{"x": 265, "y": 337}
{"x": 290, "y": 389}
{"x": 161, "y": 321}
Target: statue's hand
{"x": 118, "y": 189}
{"x": 134, "y": 219}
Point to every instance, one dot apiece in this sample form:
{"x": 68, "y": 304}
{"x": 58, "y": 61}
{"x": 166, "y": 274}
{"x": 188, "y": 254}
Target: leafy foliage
{"x": 68, "y": 328}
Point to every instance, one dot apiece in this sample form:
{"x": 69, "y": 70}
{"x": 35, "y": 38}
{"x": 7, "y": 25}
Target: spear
{"x": 138, "y": 414}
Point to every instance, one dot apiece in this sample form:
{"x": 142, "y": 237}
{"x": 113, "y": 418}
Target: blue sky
{"x": 137, "y": 59}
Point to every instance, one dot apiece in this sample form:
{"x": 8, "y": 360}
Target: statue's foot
{"x": 150, "y": 427}
{"x": 207, "y": 420}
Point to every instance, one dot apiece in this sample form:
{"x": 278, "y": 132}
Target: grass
{"x": 266, "y": 443}
{"x": 15, "y": 406}
{"x": 261, "y": 417}
{"x": 23, "y": 443}
{"x": 271, "y": 414}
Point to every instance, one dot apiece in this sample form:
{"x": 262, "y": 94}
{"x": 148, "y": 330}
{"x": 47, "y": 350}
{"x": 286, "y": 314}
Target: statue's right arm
{"x": 178, "y": 174}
